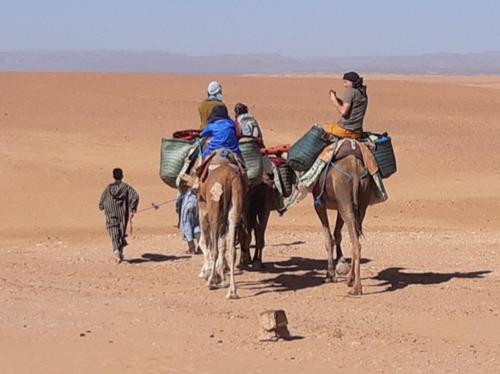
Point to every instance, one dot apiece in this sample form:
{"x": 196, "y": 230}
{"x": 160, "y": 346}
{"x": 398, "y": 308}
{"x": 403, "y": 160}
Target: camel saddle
{"x": 220, "y": 157}
{"x": 346, "y": 147}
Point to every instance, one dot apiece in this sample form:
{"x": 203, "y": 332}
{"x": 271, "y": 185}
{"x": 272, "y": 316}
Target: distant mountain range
{"x": 164, "y": 62}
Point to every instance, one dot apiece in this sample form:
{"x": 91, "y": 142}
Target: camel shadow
{"x": 155, "y": 257}
{"x": 285, "y": 283}
{"x": 294, "y": 264}
{"x": 308, "y": 273}
{"x": 395, "y": 279}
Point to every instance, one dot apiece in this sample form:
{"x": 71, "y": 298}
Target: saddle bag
{"x": 305, "y": 151}
{"x": 250, "y": 152}
{"x": 287, "y": 178}
{"x": 384, "y": 155}
{"x": 172, "y": 158}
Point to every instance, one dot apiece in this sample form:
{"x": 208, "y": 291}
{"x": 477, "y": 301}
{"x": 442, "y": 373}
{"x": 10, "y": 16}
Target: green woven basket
{"x": 173, "y": 156}
{"x": 250, "y": 152}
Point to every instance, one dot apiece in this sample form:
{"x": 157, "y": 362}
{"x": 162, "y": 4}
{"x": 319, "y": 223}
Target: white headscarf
{"x": 215, "y": 90}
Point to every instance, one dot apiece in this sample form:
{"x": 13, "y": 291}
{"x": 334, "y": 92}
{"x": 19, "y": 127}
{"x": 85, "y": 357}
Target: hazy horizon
{"x": 244, "y": 53}
{"x": 293, "y": 28}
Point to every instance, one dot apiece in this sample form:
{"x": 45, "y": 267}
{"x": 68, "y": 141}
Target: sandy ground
{"x": 430, "y": 269}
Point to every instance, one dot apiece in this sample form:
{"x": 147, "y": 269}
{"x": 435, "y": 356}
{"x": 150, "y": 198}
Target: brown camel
{"x": 349, "y": 189}
{"x": 221, "y": 198}
{"x": 261, "y": 200}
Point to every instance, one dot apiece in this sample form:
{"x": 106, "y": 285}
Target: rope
{"x": 153, "y": 206}
{"x": 156, "y": 206}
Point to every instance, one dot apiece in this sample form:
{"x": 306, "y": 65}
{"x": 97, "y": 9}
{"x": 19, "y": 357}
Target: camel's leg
{"x": 213, "y": 279}
{"x": 337, "y": 234}
{"x": 232, "y": 293}
{"x": 245, "y": 240}
{"x": 204, "y": 244}
{"x": 233, "y": 224}
{"x": 245, "y": 231}
{"x": 354, "y": 280}
{"x": 323, "y": 217}
{"x": 260, "y": 236}
{"x": 221, "y": 262}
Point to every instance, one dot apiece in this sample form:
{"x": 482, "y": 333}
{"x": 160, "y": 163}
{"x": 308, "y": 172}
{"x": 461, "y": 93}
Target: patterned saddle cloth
{"x": 216, "y": 159}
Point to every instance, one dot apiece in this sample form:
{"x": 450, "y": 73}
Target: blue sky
{"x": 290, "y": 27}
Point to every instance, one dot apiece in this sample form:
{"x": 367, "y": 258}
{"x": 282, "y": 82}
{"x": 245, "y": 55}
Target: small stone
{"x": 82, "y": 335}
{"x": 272, "y": 319}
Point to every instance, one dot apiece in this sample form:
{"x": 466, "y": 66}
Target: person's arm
{"x": 207, "y": 131}
{"x": 342, "y": 107}
{"x": 103, "y": 197}
{"x": 237, "y": 127}
{"x": 133, "y": 200}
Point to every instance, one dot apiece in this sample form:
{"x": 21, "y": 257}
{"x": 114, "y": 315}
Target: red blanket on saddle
{"x": 187, "y": 134}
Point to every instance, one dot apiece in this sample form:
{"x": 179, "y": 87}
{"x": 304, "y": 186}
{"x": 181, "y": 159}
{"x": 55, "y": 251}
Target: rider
{"x": 246, "y": 124}
{"x": 248, "y": 127}
{"x": 352, "y": 108}
{"x": 222, "y": 132}
{"x": 214, "y": 98}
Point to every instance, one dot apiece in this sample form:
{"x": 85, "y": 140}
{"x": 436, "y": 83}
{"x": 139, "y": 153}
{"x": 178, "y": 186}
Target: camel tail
{"x": 224, "y": 206}
{"x": 356, "y": 184}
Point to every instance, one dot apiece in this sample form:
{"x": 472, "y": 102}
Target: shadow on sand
{"x": 312, "y": 274}
{"x": 299, "y": 273}
{"x": 395, "y": 279}
{"x": 155, "y": 257}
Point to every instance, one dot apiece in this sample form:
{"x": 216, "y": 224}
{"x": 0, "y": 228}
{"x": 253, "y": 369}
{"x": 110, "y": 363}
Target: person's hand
{"x": 333, "y": 95}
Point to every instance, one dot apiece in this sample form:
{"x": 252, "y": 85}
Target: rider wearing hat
{"x": 214, "y": 98}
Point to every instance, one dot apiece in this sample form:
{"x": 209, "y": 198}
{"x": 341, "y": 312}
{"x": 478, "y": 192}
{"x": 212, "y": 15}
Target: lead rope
{"x": 153, "y": 206}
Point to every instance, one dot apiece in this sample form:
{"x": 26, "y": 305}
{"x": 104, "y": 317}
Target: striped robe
{"x": 118, "y": 200}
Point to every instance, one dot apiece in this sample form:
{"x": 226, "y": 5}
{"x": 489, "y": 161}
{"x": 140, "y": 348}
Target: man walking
{"x": 119, "y": 202}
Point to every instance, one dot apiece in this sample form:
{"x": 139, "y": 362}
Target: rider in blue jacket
{"x": 222, "y": 132}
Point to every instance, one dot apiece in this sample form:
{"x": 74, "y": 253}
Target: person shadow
{"x": 155, "y": 257}
{"x": 395, "y": 278}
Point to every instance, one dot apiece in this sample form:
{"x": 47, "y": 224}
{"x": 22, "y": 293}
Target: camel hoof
{"x": 355, "y": 292}
{"x": 258, "y": 265}
{"x": 232, "y": 296}
{"x": 244, "y": 265}
{"x": 223, "y": 285}
{"x": 328, "y": 279}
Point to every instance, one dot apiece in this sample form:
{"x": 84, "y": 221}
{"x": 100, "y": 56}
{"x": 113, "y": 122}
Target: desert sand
{"x": 431, "y": 253}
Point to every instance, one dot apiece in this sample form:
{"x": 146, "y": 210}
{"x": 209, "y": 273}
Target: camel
{"x": 349, "y": 189}
{"x": 221, "y": 199}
